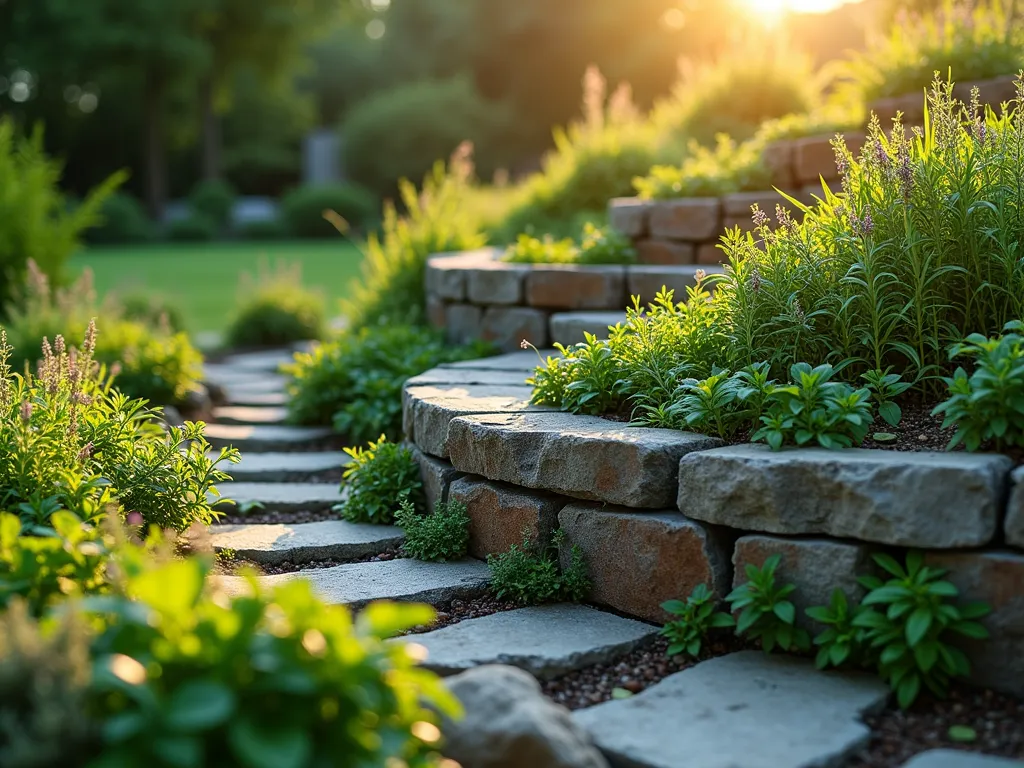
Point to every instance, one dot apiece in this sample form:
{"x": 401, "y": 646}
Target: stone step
{"x": 569, "y": 327}
{"x": 744, "y": 710}
{"x": 524, "y": 360}
{"x": 280, "y": 497}
{"x": 955, "y": 758}
{"x": 247, "y": 414}
{"x": 304, "y": 542}
{"x": 357, "y": 584}
{"x": 269, "y": 360}
{"x": 546, "y": 641}
{"x": 248, "y": 398}
{"x": 258, "y": 384}
{"x": 266, "y": 438}
{"x": 284, "y": 467}
{"x": 229, "y": 376}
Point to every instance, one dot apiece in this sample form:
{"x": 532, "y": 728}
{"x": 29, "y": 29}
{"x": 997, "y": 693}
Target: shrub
{"x": 69, "y": 441}
{"x": 708, "y": 173}
{"x": 123, "y": 219}
{"x": 303, "y": 208}
{"x": 214, "y": 199}
{"x": 597, "y": 246}
{"x": 194, "y": 228}
{"x": 975, "y": 41}
{"x": 532, "y": 250}
{"x": 697, "y": 617}
{"x": 37, "y": 222}
{"x": 988, "y": 405}
{"x": 435, "y": 118}
{"x": 355, "y": 382}
{"x": 765, "y": 613}
{"x": 152, "y": 311}
{"x": 605, "y": 246}
{"x": 275, "y": 309}
{"x": 378, "y": 480}
{"x": 441, "y": 536}
{"x": 530, "y": 574}
{"x": 436, "y": 219}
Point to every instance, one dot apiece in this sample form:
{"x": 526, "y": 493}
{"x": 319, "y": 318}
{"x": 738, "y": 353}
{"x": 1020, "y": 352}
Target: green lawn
{"x": 203, "y": 278}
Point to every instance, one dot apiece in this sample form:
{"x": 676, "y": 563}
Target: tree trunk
{"x": 211, "y": 130}
{"x": 155, "y": 150}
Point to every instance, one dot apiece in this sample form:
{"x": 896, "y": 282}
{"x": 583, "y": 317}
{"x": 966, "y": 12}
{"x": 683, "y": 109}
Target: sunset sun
{"x": 777, "y": 7}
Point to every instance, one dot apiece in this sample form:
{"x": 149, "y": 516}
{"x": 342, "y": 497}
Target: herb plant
{"x": 530, "y": 574}
{"x": 907, "y": 623}
{"x": 765, "y": 613}
{"x": 697, "y": 617}
{"x": 546, "y": 250}
{"x": 378, "y": 480}
{"x": 604, "y": 246}
{"x": 437, "y": 537}
{"x": 988, "y": 405}
{"x": 841, "y": 642}
{"x": 885, "y": 387}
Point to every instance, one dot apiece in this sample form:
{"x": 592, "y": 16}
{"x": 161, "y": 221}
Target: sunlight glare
{"x": 774, "y": 8}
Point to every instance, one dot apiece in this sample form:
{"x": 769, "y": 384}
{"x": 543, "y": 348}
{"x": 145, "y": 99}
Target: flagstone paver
{"x": 266, "y": 438}
{"x": 304, "y": 542}
{"x": 279, "y": 467}
{"x": 282, "y": 497}
{"x": 246, "y": 414}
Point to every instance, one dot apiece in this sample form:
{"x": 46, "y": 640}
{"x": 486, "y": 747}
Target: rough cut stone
{"x": 547, "y": 641}
{"x": 814, "y": 158}
{"x": 569, "y": 327}
{"x": 283, "y": 467}
{"x": 305, "y": 542}
{"x": 739, "y": 204}
{"x": 744, "y": 710}
{"x": 931, "y": 500}
{"x": 507, "y": 327}
{"x": 955, "y": 758}
{"x": 500, "y": 514}
{"x": 995, "y": 578}
{"x": 467, "y": 376}
{"x": 241, "y": 414}
{"x": 664, "y": 252}
{"x": 427, "y": 411}
{"x": 404, "y": 579}
{"x": 778, "y": 159}
{"x": 628, "y": 215}
{"x": 266, "y": 438}
{"x": 561, "y": 286}
{"x": 508, "y": 723}
{"x": 1015, "y": 511}
{"x": 446, "y": 273}
{"x": 688, "y": 218}
{"x": 496, "y": 283}
{"x": 580, "y": 456}
{"x": 281, "y": 497}
{"x": 436, "y": 476}
{"x": 462, "y": 323}
{"x": 524, "y": 360}
{"x": 638, "y": 560}
{"x": 816, "y": 566}
{"x": 710, "y": 255}
{"x": 436, "y": 310}
{"x": 647, "y": 281}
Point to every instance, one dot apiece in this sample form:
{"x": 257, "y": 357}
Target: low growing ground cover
{"x": 816, "y": 325}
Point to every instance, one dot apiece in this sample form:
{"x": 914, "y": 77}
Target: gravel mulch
{"x": 896, "y": 736}
{"x": 259, "y": 517}
{"x": 456, "y": 610}
{"x": 287, "y": 566}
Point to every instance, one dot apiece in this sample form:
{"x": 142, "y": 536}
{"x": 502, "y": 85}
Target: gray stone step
{"x": 955, "y": 758}
{"x": 281, "y": 497}
{"x": 284, "y": 467}
{"x": 467, "y": 376}
{"x": 546, "y": 641}
{"x": 569, "y": 327}
{"x": 303, "y": 542}
{"x": 266, "y": 438}
{"x": 1015, "y": 510}
{"x": 525, "y": 360}
{"x": 229, "y": 376}
{"x": 405, "y": 579}
{"x": 744, "y": 710}
{"x": 249, "y": 398}
{"x": 247, "y": 414}
{"x": 260, "y": 384}
{"x": 264, "y": 361}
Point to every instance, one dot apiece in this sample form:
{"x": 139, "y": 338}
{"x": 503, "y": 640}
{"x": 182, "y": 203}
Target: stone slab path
{"x": 257, "y": 398}
{"x": 261, "y": 438}
{"x": 281, "y": 497}
{"x": 546, "y": 641}
{"x": 247, "y": 414}
{"x": 304, "y": 542}
{"x": 278, "y": 467}
{"x": 744, "y": 710}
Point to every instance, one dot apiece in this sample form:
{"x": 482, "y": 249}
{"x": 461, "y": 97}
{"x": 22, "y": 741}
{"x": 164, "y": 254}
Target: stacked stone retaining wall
{"x": 657, "y": 512}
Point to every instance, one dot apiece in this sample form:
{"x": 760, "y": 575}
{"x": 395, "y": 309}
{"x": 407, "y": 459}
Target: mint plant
{"x": 765, "y": 613}
{"x": 697, "y": 617}
{"x": 907, "y": 625}
{"x": 437, "y": 537}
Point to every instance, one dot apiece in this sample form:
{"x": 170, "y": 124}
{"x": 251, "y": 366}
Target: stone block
{"x": 305, "y": 542}
{"x": 814, "y": 157}
{"x": 496, "y": 283}
{"x": 499, "y": 514}
{"x": 436, "y": 314}
{"x": 629, "y": 215}
{"x": 506, "y": 327}
{"x": 462, "y": 323}
{"x": 428, "y": 410}
{"x": 446, "y": 277}
{"x": 580, "y": 456}
{"x": 910, "y": 105}
{"x": 995, "y": 578}
{"x": 739, "y": 204}
{"x": 816, "y": 566}
{"x": 664, "y": 252}
{"x": 569, "y": 327}
{"x": 647, "y": 281}
{"x": 559, "y": 286}
{"x": 693, "y": 218}
{"x": 929, "y": 500}
{"x": 778, "y": 159}
{"x": 638, "y": 560}
{"x": 1015, "y": 511}
{"x": 710, "y": 255}
{"x": 436, "y": 475}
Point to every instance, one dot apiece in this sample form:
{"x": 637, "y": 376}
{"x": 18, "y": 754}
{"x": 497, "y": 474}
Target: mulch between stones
{"x": 259, "y": 517}
{"x": 230, "y": 565}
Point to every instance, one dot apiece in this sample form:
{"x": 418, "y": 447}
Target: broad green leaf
{"x": 264, "y": 746}
{"x": 199, "y": 705}
{"x": 918, "y": 624}
{"x": 785, "y": 611}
